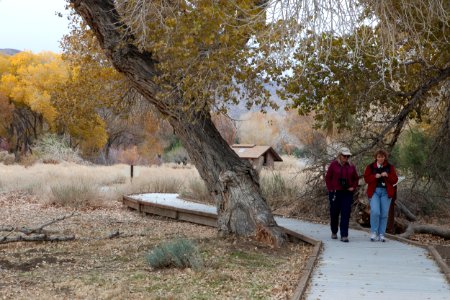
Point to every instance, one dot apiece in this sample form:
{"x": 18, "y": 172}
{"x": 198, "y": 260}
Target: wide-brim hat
{"x": 345, "y": 151}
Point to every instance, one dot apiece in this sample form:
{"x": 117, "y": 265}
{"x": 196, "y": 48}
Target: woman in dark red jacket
{"x": 342, "y": 181}
{"x": 380, "y": 177}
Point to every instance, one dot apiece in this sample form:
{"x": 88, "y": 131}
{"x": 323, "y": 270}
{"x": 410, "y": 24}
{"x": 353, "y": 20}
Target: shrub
{"x": 422, "y": 157}
{"x": 157, "y": 185}
{"x": 179, "y": 253}
{"x": 279, "y": 190}
{"x": 55, "y": 148}
{"x": 129, "y": 156}
{"x": 177, "y": 155}
{"x": 196, "y": 189}
{"x": 75, "y": 194}
{"x": 28, "y": 160}
{"x": 6, "y": 158}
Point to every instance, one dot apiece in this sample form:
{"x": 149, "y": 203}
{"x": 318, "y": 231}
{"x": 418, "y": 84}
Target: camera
{"x": 343, "y": 182}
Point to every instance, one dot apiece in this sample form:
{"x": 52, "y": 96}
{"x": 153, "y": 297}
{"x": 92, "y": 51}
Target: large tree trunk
{"x": 233, "y": 182}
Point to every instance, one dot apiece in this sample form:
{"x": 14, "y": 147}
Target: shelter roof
{"x": 253, "y": 151}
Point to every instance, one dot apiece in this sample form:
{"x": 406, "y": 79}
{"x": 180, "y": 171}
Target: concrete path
{"x": 357, "y": 270}
{"x": 362, "y": 269}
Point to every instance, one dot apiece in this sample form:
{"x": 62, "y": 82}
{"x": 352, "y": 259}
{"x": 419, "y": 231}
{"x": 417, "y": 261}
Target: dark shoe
{"x": 344, "y": 239}
{"x": 334, "y": 236}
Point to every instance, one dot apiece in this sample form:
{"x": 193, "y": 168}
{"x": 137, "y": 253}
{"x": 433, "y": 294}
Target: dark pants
{"x": 391, "y": 216}
{"x": 340, "y": 204}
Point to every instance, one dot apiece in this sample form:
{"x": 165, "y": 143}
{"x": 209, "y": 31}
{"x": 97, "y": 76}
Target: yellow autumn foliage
{"x": 29, "y": 80}
{"x": 65, "y": 96}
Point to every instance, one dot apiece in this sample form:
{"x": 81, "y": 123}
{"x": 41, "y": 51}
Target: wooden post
{"x": 131, "y": 172}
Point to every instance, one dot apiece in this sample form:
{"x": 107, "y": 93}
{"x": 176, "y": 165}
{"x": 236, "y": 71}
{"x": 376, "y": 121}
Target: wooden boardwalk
{"x": 357, "y": 270}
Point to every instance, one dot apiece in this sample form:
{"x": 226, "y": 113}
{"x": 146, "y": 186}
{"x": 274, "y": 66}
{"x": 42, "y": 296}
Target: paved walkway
{"x": 357, "y": 270}
{"x": 363, "y": 269}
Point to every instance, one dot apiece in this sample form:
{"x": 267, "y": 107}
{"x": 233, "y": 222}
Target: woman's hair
{"x": 381, "y": 152}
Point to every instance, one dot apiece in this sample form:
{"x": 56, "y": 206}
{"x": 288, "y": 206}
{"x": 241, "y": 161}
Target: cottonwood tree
{"x": 374, "y": 95}
{"x": 6, "y": 115}
{"x": 380, "y": 75}
{"x": 188, "y": 57}
{"x": 377, "y": 81}
{"x": 182, "y": 57}
{"x": 27, "y": 81}
{"x": 104, "y": 100}
{"x": 226, "y": 126}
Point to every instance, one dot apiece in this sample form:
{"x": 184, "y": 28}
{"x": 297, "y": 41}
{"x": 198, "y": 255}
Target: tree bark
{"x": 233, "y": 182}
{"x": 408, "y": 214}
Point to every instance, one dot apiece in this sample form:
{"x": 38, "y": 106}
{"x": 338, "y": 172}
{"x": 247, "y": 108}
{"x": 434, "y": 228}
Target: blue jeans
{"x": 379, "y": 209}
{"x": 340, "y": 204}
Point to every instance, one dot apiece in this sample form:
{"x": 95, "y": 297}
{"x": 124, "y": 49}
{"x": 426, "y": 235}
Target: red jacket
{"x": 336, "y": 171}
{"x": 371, "y": 180}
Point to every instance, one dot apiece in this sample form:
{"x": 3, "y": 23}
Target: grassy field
{"x": 97, "y": 266}
{"x": 69, "y": 184}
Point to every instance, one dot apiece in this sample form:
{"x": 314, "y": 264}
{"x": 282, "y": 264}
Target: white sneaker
{"x": 374, "y": 237}
{"x": 382, "y": 238}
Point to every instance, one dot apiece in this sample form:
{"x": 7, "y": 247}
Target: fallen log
{"x": 35, "y": 234}
{"x": 6, "y": 228}
{"x": 40, "y": 229}
{"x": 425, "y": 228}
{"x": 36, "y": 238}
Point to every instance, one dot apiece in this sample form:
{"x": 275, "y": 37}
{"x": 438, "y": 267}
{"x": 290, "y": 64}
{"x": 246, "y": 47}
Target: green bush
{"x": 422, "y": 158}
{"x": 178, "y": 155}
{"x": 179, "y": 253}
{"x": 412, "y": 152}
{"x": 301, "y": 152}
{"x": 417, "y": 154}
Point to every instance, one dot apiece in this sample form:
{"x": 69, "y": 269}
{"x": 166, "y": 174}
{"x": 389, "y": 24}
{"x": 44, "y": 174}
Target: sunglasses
{"x": 347, "y": 156}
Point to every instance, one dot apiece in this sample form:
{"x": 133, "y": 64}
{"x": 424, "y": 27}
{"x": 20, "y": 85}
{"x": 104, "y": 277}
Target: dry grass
{"x": 77, "y": 186}
{"x": 68, "y": 184}
{"x": 117, "y": 268}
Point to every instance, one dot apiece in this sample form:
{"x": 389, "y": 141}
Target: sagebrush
{"x": 178, "y": 253}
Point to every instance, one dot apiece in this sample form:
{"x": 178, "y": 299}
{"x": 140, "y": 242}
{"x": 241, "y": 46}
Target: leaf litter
{"x": 96, "y": 266}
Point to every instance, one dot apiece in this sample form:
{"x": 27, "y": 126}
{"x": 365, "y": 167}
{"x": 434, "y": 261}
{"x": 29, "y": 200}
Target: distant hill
{"x": 9, "y": 51}
{"x": 236, "y": 111}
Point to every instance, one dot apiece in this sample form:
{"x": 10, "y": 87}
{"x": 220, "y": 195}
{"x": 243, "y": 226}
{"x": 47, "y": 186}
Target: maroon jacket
{"x": 371, "y": 180}
{"x": 336, "y": 171}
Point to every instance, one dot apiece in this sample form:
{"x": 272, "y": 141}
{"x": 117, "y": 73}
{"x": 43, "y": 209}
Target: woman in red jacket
{"x": 380, "y": 177}
{"x": 341, "y": 180}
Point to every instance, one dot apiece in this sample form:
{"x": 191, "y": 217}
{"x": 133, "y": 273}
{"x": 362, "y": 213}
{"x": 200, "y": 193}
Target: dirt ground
{"x": 94, "y": 266}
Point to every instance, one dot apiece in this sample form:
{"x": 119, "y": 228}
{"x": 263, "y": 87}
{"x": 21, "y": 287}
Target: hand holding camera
{"x": 344, "y": 183}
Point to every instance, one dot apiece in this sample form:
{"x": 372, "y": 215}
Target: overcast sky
{"x": 32, "y": 24}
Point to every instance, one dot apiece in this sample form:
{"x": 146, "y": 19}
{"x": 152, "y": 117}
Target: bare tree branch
{"x": 36, "y": 238}
{"x": 39, "y": 229}
{"x": 34, "y": 234}
{"x": 399, "y": 120}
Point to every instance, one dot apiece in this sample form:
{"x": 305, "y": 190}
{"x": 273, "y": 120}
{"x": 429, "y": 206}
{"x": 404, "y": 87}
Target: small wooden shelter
{"x": 258, "y": 156}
